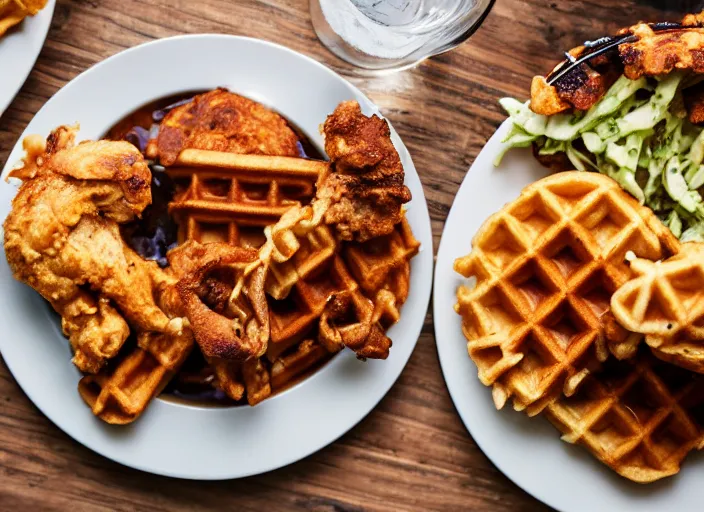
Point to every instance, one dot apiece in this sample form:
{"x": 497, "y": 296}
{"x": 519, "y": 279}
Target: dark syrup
{"x": 156, "y": 233}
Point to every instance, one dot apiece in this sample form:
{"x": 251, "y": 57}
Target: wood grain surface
{"x": 412, "y": 452}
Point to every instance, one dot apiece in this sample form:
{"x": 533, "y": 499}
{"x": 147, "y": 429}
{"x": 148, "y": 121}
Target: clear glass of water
{"x": 394, "y": 34}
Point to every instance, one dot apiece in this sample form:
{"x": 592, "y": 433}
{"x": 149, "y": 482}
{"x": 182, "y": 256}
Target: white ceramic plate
{"x": 183, "y": 440}
{"x": 19, "y": 50}
{"x": 529, "y": 451}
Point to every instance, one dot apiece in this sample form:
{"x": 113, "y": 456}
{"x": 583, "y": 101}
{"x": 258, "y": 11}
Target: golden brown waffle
{"x": 231, "y": 198}
{"x": 119, "y": 394}
{"x": 640, "y": 417}
{"x": 665, "y": 302}
{"x": 545, "y": 268}
{"x": 221, "y": 197}
{"x": 316, "y": 304}
{"x": 382, "y": 268}
{"x": 311, "y": 283}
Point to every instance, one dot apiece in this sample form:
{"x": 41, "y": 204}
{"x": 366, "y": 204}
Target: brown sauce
{"x": 155, "y": 234}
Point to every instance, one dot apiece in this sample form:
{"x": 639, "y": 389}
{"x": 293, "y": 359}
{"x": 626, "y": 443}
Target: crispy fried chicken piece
{"x": 365, "y": 182}
{"x": 580, "y": 89}
{"x": 62, "y": 238}
{"x": 212, "y": 285}
{"x": 220, "y": 120}
{"x": 95, "y": 329}
{"x": 658, "y": 53}
{"x": 654, "y": 53}
{"x": 545, "y": 99}
{"x": 345, "y": 323}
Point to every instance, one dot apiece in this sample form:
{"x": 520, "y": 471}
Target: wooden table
{"x": 412, "y": 452}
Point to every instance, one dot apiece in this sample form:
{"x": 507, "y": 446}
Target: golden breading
{"x": 220, "y": 120}
{"x": 365, "y": 183}
{"x": 544, "y": 98}
{"x": 62, "y": 238}
{"x": 658, "y": 53}
{"x": 245, "y": 335}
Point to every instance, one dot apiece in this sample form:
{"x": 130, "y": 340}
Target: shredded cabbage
{"x": 638, "y": 135}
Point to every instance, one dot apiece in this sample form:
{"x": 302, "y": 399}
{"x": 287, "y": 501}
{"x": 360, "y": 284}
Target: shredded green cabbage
{"x": 637, "y": 134}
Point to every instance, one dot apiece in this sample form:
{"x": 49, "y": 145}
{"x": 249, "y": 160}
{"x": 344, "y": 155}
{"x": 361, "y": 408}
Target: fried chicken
{"x": 212, "y": 285}
{"x": 657, "y": 50}
{"x": 365, "y": 183}
{"x": 62, "y": 238}
{"x": 220, "y": 120}
{"x": 659, "y": 53}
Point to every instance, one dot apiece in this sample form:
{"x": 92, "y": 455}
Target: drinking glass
{"x": 394, "y": 34}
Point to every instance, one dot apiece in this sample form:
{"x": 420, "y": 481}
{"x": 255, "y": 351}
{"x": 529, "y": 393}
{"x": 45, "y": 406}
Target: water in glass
{"x": 388, "y": 34}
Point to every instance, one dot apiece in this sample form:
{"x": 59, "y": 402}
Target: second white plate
{"x": 529, "y": 450}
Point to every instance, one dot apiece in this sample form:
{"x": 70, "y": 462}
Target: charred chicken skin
{"x": 652, "y": 51}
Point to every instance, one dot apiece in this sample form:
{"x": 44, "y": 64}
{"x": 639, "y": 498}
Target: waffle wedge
{"x": 640, "y": 417}
{"x": 311, "y": 283}
{"x": 545, "y": 267}
{"x": 120, "y": 392}
{"x": 665, "y": 302}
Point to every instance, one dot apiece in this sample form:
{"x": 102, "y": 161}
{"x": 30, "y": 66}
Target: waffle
{"x": 381, "y": 267}
{"x": 311, "y": 283}
{"x": 221, "y": 198}
{"x": 230, "y": 199}
{"x": 545, "y": 268}
{"x": 639, "y": 417}
{"x": 120, "y": 392}
{"x": 664, "y": 302}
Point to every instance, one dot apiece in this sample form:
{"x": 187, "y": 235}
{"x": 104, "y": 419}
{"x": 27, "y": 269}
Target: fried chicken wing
{"x": 62, "y": 238}
{"x": 365, "y": 181}
{"x": 220, "y": 120}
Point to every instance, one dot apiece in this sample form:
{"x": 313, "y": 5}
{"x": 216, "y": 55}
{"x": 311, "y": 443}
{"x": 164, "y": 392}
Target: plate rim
{"x": 424, "y": 259}
{"x": 488, "y": 453}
